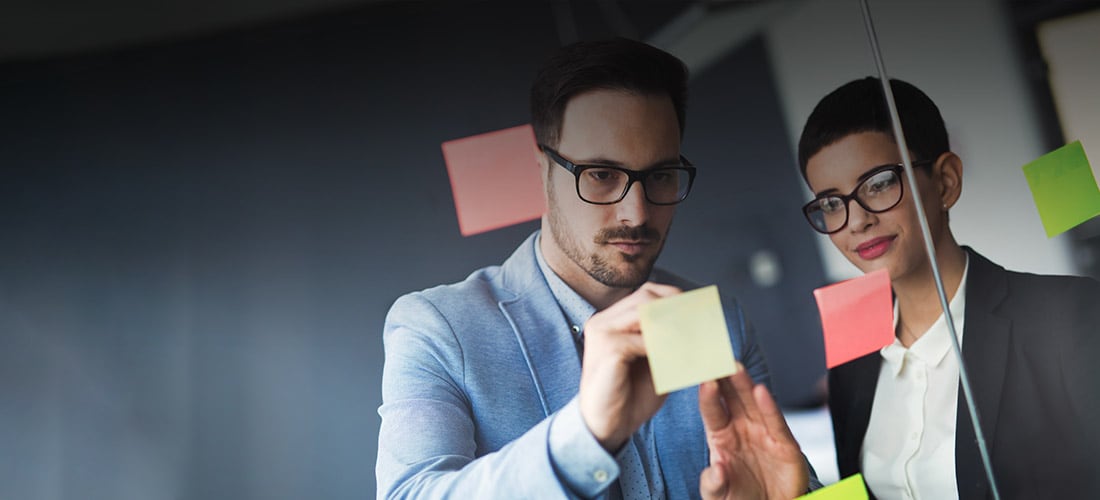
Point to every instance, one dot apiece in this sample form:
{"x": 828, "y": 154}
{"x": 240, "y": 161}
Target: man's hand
{"x": 616, "y": 391}
{"x": 752, "y": 451}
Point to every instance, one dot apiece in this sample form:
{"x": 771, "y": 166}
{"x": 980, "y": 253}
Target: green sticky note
{"x": 686, "y": 339}
{"x": 1064, "y": 188}
{"x": 849, "y": 488}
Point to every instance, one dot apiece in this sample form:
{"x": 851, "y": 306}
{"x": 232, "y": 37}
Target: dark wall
{"x": 200, "y": 239}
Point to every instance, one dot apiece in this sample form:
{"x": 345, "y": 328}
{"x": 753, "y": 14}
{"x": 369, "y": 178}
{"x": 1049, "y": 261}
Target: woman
{"x": 1030, "y": 342}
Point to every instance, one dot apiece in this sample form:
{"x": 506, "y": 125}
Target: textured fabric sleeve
{"x": 583, "y": 465}
{"x": 426, "y": 443}
{"x": 745, "y": 346}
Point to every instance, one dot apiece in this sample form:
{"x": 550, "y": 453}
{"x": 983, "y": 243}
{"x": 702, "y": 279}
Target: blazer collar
{"x": 540, "y": 328}
{"x": 985, "y": 351}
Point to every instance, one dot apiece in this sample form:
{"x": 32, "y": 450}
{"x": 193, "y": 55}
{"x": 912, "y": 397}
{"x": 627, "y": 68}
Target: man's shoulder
{"x": 479, "y": 288}
{"x": 486, "y": 286}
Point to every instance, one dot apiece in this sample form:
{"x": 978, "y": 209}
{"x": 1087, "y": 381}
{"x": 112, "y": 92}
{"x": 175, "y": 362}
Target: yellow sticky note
{"x": 686, "y": 339}
{"x": 1064, "y": 188}
{"x": 849, "y": 488}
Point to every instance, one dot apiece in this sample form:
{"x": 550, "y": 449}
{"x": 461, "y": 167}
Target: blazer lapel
{"x": 986, "y": 339}
{"x": 549, "y": 349}
{"x": 860, "y": 377}
{"x": 540, "y": 329}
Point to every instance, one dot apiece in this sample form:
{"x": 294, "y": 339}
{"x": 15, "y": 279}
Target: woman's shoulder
{"x": 1033, "y": 286}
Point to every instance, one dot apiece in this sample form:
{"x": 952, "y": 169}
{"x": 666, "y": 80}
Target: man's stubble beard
{"x": 595, "y": 265}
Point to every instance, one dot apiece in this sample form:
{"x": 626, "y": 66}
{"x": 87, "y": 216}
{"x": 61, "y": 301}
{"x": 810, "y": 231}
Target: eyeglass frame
{"x": 632, "y": 176}
{"x": 897, "y": 168}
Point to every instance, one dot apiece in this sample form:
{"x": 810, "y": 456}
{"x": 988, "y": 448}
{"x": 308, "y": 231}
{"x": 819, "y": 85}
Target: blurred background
{"x": 207, "y": 208}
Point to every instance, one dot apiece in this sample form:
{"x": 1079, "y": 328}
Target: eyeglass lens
{"x": 877, "y": 193}
{"x": 607, "y": 185}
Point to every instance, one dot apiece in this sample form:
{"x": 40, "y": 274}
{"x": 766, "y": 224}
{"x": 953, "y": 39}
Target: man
{"x": 529, "y": 380}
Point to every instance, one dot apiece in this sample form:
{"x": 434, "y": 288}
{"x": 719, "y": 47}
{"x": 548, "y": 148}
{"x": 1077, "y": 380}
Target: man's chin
{"x": 623, "y": 274}
{"x": 619, "y": 281}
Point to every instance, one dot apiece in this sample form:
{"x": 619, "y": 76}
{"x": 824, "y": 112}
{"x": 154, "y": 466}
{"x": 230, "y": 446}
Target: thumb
{"x": 713, "y": 483}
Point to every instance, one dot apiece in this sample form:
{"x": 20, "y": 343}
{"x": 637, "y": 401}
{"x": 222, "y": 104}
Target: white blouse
{"x": 909, "y": 449}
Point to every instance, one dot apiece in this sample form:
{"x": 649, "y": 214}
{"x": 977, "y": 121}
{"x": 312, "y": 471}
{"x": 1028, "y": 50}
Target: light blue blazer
{"x": 476, "y": 371}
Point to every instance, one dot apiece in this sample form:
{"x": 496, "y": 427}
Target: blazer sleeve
{"x": 426, "y": 443}
{"x": 745, "y": 345}
{"x": 1079, "y": 352}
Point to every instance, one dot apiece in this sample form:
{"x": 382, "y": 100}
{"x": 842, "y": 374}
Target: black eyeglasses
{"x": 606, "y": 185}
{"x": 879, "y": 190}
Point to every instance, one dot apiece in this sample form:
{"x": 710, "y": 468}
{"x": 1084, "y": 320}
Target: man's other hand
{"x": 753, "y": 454}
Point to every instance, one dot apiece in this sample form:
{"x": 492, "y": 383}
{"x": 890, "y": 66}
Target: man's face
{"x": 616, "y": 245}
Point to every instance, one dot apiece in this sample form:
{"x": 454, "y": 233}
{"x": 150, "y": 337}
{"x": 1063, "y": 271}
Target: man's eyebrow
{"x": 605, "y": 162}
{"x": 599, "y": 160}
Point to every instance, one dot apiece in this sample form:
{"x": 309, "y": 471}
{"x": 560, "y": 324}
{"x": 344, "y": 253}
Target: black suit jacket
{"x": 1031, "y": 344}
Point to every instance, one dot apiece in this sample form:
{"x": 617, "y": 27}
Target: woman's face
{"x": 888, "y": 240}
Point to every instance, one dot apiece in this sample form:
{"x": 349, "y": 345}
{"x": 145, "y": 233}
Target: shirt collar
{"x": 934, "y": 345}
{"x": 576, "y": 309}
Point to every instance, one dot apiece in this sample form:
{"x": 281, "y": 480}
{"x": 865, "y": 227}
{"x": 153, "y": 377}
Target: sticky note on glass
{"x": 1064, "y": 188}
{"x": 857, "y": 316}
{"x": 495, "y": 179}
{"x": 849, "y": 488}
{"x": 686, "y": 339}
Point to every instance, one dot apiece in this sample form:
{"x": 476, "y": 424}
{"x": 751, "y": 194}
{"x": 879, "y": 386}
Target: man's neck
{"x": 598, "y": 294}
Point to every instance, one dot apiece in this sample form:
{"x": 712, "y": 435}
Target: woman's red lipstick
{"x": 874, "y": 248}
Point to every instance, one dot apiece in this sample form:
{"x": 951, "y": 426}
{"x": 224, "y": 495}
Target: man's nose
{"x": 633, "y": 209}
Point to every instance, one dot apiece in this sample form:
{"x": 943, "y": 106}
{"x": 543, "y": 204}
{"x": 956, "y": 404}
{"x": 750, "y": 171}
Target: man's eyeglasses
{"x": 879, "y": 191}
{"x": 606, "y": 185}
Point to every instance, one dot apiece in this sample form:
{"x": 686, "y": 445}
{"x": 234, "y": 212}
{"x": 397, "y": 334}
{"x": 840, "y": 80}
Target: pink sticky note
{"x": 857, "y": 316}
{"x": 495, "y": 179}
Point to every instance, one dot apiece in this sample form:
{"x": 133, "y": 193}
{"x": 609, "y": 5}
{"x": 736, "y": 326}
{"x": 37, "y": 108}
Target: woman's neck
{"x": 918, "y": 300}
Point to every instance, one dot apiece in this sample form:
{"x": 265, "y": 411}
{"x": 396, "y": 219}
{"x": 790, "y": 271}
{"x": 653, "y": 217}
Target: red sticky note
{"x": 495, "y": 179}
{"x": 857, "y": 316}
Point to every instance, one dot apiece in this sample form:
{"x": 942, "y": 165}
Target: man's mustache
{"x": 636, "y": 233}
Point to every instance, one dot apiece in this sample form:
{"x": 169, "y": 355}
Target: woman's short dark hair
{"x": 859, "y": 106}
{"x": 615, "y": 64}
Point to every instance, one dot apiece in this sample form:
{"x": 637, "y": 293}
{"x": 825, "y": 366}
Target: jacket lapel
{"x": 861, "y": 378}
{"x": 540, "y": 329}
{"x": 549, "y": 349}
{"x": 985, "y": 351}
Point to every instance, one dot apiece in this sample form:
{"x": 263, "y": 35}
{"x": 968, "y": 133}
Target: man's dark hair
{"x": 860, "y": 106}
{"x": 615, "y": 64}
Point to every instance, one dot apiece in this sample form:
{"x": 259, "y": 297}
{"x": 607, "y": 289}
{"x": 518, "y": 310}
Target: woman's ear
{"x": 948, "y": 173}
